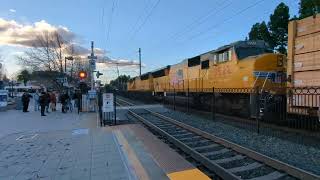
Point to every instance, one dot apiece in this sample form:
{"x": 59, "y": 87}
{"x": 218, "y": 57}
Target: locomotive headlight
{"x": 280, "y": 61}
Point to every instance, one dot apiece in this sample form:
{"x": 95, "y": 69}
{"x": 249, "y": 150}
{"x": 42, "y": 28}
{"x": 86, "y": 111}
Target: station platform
{"x": 151, "y": 157}
{"x": 116, "y": 152}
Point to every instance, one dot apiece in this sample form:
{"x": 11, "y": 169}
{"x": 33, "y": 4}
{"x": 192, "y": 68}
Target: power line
{"x": 110, "y": 22}
{"x": 212, "y": 12}
{"x": 140, "y": 17}
{"x": 145, "y": 19}
{"x": 202, "y": 19}
{"x": 226, "y": 20}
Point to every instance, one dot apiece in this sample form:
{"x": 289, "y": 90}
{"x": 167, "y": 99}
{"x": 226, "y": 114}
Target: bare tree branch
{"x": 45, "y": 53}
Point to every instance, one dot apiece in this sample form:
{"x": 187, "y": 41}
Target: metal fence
{"x": 291, "y": 108}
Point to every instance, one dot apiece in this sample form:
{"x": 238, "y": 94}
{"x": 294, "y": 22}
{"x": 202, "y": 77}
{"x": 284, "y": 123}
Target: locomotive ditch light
{"x": 82, "y": 74}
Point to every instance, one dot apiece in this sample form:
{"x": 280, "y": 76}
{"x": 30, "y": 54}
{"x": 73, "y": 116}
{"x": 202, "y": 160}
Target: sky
{"x": 167, "y": 31}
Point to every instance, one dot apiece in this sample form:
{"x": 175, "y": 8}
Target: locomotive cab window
{"x": 222, "y": 56}
{"x": 195, "y": 61}
{"x": 205, "y": 64}
{"x": 244, "y": 52}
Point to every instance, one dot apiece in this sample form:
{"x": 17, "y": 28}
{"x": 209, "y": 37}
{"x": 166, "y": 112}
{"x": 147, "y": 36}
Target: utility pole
{"x": 118, "y": 76}
{"x": 140, "y": 61}
{"x": 92, "y": 60}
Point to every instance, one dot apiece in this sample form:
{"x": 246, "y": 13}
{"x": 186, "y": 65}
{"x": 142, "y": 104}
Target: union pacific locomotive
{"x": 233, "y": 70}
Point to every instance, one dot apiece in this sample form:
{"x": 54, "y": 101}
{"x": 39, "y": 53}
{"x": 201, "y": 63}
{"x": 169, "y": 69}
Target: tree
{"x": 24, "y": 76}
{"x": 278, "y": 27}
{"x": 308, "y": 8}
{"x": 259, "y": 31}
{"x": 45, "y": 53}
{"x": 120, "y": 82}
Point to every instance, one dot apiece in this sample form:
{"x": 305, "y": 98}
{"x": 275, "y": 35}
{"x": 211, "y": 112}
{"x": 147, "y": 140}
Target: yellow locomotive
{"x": 234, "y": 71}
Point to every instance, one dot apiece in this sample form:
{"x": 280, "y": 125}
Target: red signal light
{"x": 82, "y": 74}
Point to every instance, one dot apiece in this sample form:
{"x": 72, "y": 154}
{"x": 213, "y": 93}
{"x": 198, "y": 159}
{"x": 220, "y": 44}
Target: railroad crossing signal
{"x": 99, "y": 74}
{"x": 82, "y": 75}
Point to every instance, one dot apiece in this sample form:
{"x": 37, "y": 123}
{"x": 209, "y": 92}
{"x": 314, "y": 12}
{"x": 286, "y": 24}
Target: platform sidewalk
{"x": 71, "y": 146}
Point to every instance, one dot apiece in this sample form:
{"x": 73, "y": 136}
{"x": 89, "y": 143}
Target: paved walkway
{"x": 58, "y": 146}
{"x": 72, "y": 146}
{"x": 77, "y": 154}
{"x": 14, "y": 121}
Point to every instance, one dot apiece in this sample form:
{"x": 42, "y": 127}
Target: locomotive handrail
{"x": 254, "y": 83}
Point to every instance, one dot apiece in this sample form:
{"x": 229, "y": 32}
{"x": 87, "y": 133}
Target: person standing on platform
{"x": 36, "y": 101}
{"x": 25, "y": 101}
{"x": 63, "y": 102}
{"x": 47, "y": 101}
{"x": 43, "y": 101}
{"x": 53, "y": 101}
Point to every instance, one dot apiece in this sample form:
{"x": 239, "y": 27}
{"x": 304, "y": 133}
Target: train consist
{"x": 239, "y": 69}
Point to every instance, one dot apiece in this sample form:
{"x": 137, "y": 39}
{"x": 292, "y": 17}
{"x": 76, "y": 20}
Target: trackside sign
{"x": 108, "y": 101}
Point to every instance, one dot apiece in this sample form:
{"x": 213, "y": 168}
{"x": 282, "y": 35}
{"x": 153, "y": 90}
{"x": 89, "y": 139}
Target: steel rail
{"x": 276, "y": 164}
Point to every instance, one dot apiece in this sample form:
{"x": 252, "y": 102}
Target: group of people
{"x": 47, "y": 101}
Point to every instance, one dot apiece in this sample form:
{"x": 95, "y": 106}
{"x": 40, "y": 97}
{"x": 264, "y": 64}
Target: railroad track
{"x": 224, "y": 158}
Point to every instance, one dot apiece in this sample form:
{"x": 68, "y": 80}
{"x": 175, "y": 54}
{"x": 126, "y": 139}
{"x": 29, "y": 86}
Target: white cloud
{"x": 12, "y": 10}
{"x": 14, "y": 33}
{"x": 19, "y": 36}
{"x": 118, "y": 62}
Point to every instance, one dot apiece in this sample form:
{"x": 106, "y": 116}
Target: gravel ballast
{"x": 298, "y": 155}
{"x": 304, "y": 154}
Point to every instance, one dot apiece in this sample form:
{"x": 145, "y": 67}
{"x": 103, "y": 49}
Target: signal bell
{"x": 82, "y": 74}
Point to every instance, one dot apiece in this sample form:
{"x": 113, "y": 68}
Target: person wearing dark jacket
{"x": 43, "y": 102}
{"x": 47, "y": 101}
{"x": 64, "y": 100}
{"x": 25, "y": 101}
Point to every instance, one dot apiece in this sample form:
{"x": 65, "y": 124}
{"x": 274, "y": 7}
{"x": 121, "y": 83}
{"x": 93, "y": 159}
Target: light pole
{"x": 65, "y": 62}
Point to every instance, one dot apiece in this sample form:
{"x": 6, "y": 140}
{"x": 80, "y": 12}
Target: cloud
{"x": 120, "y": 62}
{"x": 17, "y": 34}
{"x": 12, "y": 10}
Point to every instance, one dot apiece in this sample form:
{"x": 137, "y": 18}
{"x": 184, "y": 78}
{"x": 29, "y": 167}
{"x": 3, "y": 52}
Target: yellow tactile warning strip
{"x": 190, "y": 174}
{"x": 173, "y": 164}
{"x": 137, "y": 166}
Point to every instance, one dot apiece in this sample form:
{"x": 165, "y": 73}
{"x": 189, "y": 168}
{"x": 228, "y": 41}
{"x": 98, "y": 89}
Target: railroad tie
{"x": 246, "y": 167}
{"x": 221, "y": 151}
{"x": 166, "y": 126}
{"x": 226, "y": 160}
{"x": 270, "y": 176}
{"x": 181, "y": 135}
{"x": 206, "y": 147}
{"x": 190, "y": 138}
{"x": 201, "y": 141}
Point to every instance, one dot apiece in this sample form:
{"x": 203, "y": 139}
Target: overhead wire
{"x": 226, "y": 20}
{"x": 145, "y": 20}
{"x": 140, "y": 17}
{"x": 110, "y": 22}
{"x": 202, "y": 19}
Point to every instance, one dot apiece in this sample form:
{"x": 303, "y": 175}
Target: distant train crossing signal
{"x": 82, "y": 74}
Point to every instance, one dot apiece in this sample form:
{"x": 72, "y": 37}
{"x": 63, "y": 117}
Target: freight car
{"x": 304, "y": 66}
{"x": 143, "y": 83}
{"x": 241, "y": 66}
